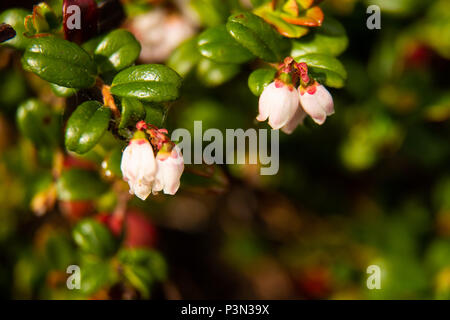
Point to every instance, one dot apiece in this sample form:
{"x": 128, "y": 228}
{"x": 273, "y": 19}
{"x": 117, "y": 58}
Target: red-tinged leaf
{"x": 305, "y": 4}
{"x": 88, "y": 18}
{"x": 291, "y": 7}
{"x": 284, "y": 28}
{"x": 312, "y": 18}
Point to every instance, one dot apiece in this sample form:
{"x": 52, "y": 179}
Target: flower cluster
{"x": 286, "y": 107}
{"x": 147, "y": 173}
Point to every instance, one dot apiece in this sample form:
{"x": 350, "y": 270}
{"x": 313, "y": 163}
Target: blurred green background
{"x": 370, "y": 186}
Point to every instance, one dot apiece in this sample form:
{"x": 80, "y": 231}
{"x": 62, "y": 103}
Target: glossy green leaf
{"x": 213, "y": 74}
{"x": 62, "y": 91}
{"x": 79, "y": 185}
{"x": 16, "y": 18}
{"x": 39, "y": 123}
{"x": 132, "y": 112}
{"x": 111, "y": 164}
{"x": 330, "y": 39}
{"x": 155, "y": 114}
{"x": 259, "y": 79}
{"x": 211, "y": 12}
{"x": 218, "y": 45}
{"x": 148, "y": 82}
{"x": 185, "y": 57}
{"x": 117, "y": 50}
{"x": 94, "y": 238}
{"x": 258, "y": 36}
{"x": 325, "y": 69}
{"x": 86, "y": 126}
{"x": 142, "y": 267}
{"x": 61, "y": 62}
{"x": 91, "y": 45}
{"x": 95, "y": 275}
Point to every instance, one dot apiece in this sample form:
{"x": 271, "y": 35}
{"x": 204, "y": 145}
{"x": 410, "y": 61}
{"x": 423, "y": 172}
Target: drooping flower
{"x": 170, "y": 166}
{"x": 139, "y": 166}
{"x": 278, "y": 103}
{"x": 316, "y": 101}
{"x": 296, "y": 120}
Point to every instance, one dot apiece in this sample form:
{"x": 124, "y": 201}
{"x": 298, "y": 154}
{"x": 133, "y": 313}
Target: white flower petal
{"x": 139, "y": 167}
{"x": 279, "y": 104}
{"x": 318, "y": 104}
{"x": 297, "y": 119}
{"x": 169, "y": 172}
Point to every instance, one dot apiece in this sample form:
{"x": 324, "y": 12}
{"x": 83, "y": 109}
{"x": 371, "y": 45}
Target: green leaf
{"x": 90, "y": 45}
{"x": 111, "y": 164}
{"x": 39, "y": 123}
{"x": 185, "y": 57}
{"x": 94, "y": 238}
{"x": 213, "y": 74}
{"x": 211, "y": 12}
{"x": 217, "y": 44}
{"x": 142, "y": 267}
{"x": 330, "y": 39}
{"x": 95, "y": 275}
{"x": 147, "y": 82}
{"x": 61, "y": 62}
{"x": 79, "y": 185}
{"x": 259, "y": 79}
{"x": 258, "y": 36}
{"x": 62, "y": 91}
{"x": 132, "y": 112}
{"x": 86, "y": 126}
{"x": 326, "y": 69}
{"x": 59, "y": 251}
{"x": 16, "y": 18}
{"x": 155, "y": 114}
{"x": 117, "y": 50}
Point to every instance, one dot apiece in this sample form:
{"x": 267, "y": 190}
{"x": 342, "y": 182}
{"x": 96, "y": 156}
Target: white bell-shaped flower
{"x": 316, "y": 101}
{"x": 278, "y": 103}
{"x": 296, "y": 120}
{"x": 139, "y": 167}
{"x": 170, "y": 166}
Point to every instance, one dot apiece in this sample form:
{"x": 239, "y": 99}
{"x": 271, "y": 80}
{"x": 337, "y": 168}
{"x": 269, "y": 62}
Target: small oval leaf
{"x": 38, "y": 123}
{"x": 60, "y": 61}
{"x": 79, "y": 185}
{"x": 118, "y": 50}
{"x": 258, "y": 36}
{"x": 185, "y": 57}
{"x": 147, "y": 82}
{"x": 213, "y": 74}
{"x": 94, "y": 238}
{"x": 259, "y": 79}
{"x": 218, "y": 45}
{"x": 62, "y": 91}
{"x": 132, "y": 112}
{"x": 86, "y": 126}
{"x": 325, "y": 69}
{"x": 330, "y": 39}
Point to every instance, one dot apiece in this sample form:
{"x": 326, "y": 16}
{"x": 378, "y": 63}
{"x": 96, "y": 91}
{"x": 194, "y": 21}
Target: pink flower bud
{"x": 278, "y": 102}
{"x": 317, "y": 102}
{"x": 139, "y": 167}
{"x": 170, "y": 166}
